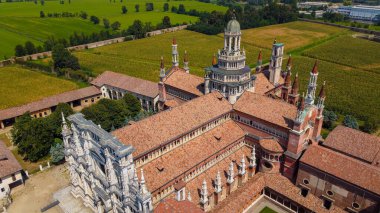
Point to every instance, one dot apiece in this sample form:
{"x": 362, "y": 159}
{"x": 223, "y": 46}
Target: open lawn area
{"x": 19, "y": 20}
{"x": 350, "y": 51}
{"x": 20, "y": 86}
{"x": 141, "y": 58}
{"x": 294, "y": 34}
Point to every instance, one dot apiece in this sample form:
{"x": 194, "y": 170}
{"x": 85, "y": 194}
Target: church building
{"x": 223, "y": 143}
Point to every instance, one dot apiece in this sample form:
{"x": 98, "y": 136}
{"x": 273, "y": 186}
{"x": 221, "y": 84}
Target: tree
{"x": 115, "y": 26}
{"x": 30, "y": 48}
{"x": 137, "y": 8}
{"x": 62, "y": 58}
{"x": 132, "y": 104}
{"x": 42, "y": 14}
{"x": 350, "y": 121}
{"x": 166, "y": 7}
{"x": 166, "y": 22}
{"x": 124, "y": 9}
{"x": 137, "y": 29}
{"x": 329, "y": 117}
{"x": 57, "y": 151}
{"x": 94, "y": 19}
{"x": 149, "y": 6}
{"x": 83, "y": 15}
{"x": 370, "y": 126}
{"x": 42, "y": 2}
{"x": 19, "y": 50}
{"x": 174, "y": 9}
{"x": 181, "y": 9}
{"x": 106, "y": 23}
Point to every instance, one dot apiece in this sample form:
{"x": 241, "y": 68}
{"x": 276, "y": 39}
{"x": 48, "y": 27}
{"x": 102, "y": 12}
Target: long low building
{"x": 77, "y": 99}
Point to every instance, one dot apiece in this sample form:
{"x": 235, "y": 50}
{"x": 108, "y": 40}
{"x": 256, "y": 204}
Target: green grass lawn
{"x": 346, "y": 50}
{"x": 294, "y": 34}
{"x": 20, "y": 21}
{"x": 267, "y": 210}
{"x": 20, "y": 86}
{"x": 141, "y": 58}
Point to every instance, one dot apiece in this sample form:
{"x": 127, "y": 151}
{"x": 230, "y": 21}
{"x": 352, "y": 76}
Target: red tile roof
{"x": 185, "y": 157}
{"x": 343, "y": 167}
{"x": 125, "y": 82}
{"x": 8, "y": 163}
{"x": 49, "y": 102}
{"x": 173, "y": 206}
{"x": 355, "y": 143}
{"x": 268, "y": 109}
{"x": 262, "y": 84}
{"x": 178, "y": 78}
{"x": 170, "y": 124}
{"x": 271, "y": 144}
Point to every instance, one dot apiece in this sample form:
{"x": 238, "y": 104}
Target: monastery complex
{"x": 228, "y": 142}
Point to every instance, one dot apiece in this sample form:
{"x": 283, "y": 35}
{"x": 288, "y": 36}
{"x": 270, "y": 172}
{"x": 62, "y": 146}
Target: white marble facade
{"x": 102, "y": 170}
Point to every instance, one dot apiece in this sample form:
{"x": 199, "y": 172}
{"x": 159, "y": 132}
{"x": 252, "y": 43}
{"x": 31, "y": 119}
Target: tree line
{"x": 36, "y": 138}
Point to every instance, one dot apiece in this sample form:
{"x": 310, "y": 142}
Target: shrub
{"x": 350, "y": 121}
{"x": 124, "y": 9}
{"x": 116, "y": 25}
{"x": 94, "y": 19}
{"x": 57, "y": 151}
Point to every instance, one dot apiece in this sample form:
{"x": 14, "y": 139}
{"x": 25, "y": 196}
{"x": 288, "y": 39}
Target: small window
{"x": 355, "y": 205}
{"x": 305, "y": 181}
{"x": 45, "y": 113}
{"x": 304, "y": 192}
{"x": 330, "y": 193}
{"x": 2, "y": 189}
{"x": 327, "y": 203}
{"x": 86, "y": 101}
{"x": 13, "y": 177}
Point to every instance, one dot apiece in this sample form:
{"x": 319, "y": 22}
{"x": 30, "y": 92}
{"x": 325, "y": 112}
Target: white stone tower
{"x": 276, "y": 63}
{"x": 312, "y": 85}
{"x": 175, "y": 53}
{"x": 229, "y": 74}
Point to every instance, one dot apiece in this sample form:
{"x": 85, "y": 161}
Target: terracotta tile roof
{"x": 285, "y": 187}
{"x": 8, "y": 163}
{"x": 50, "y": 101}
{"x": 343, "y": 167}
{"x": 135, "y": 85}
{"x": 178, "y": 78}
{"x": 167, "y": 125}
{"x": 185, "y": 157}
{"x": 173, "y": 206}
{"x": 172, "y": 101}
{"x": 195, "y": 185}
{"x": 271, "y": 144}
{"x": 354, "y": 142}
{"x": 265, "y": 108}
{"x": 262, "y": 84}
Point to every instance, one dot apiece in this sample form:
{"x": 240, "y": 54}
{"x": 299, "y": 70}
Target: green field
{"x": 20, "y": 86}
{"x": 294, "y": 35}
{"x": 346, "y": 50}
{"x": 141, "y": 58}
{"x": 20, "y": 21}
{"x": 267, "y": 210}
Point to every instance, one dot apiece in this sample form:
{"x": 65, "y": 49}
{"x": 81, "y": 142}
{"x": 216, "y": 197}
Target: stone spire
{"x": 242, "y": 166}
{"x": 230, "y": 178}
{"x": 174, "y": 53}
{"x": 186, "y": 63}
{"x": 189, "y": 196}
{"x": 312, "y": 85}
{"x": 252, "y": 162}
{"x": 111, "y": 175}
{"x": 161, "y": 85}
{"x": 322, "y": 96}
{"x": 300, "y": 108}
{"x": 86, "y": 147}
{"x": 78, "y": 146}
{"x": 289, "y": 64}
{"x": 259, "y": 62}
{"x": 65, "y": 132}
{"x": 135, "y": 179}
{"x": 204, "y": 193}
{"x": 295, "y": 85}
{"x": 143, "y": 189}
{"x": 162, "y": 69}
{"x": 218, "y": 183}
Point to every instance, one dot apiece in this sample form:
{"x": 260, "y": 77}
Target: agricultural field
{"x": 350, "y": 51}
{"x": 294, "y": 34}
{"x": 349, "y": 90}
{"x": 19, "y": 20}
{"x": 141, "y": 58}
{"x": 20, "y": 86}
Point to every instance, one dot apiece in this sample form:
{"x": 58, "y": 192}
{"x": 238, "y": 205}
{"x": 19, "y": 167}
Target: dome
{"x": 233, "y": 26}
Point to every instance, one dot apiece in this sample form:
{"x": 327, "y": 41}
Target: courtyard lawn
{"x": 20, "y": 86}
{"x": 19, "y": 20}
{"x": 267, "y": 210}
{"x": 294, "y": 34}
{"x": 141, "y": 58}
{"x": 349, "y": 90}
{"x": 346, "y": 50}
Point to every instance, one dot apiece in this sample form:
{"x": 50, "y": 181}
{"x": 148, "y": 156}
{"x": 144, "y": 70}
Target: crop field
{"x": 349, "y": 90}
{"x": 20, "y": 86}
{"x": 20, "y": 21}
{"x": 141, "y": 58}
{"x": 294, "y": 34}
{"x": 346, "y": 50}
